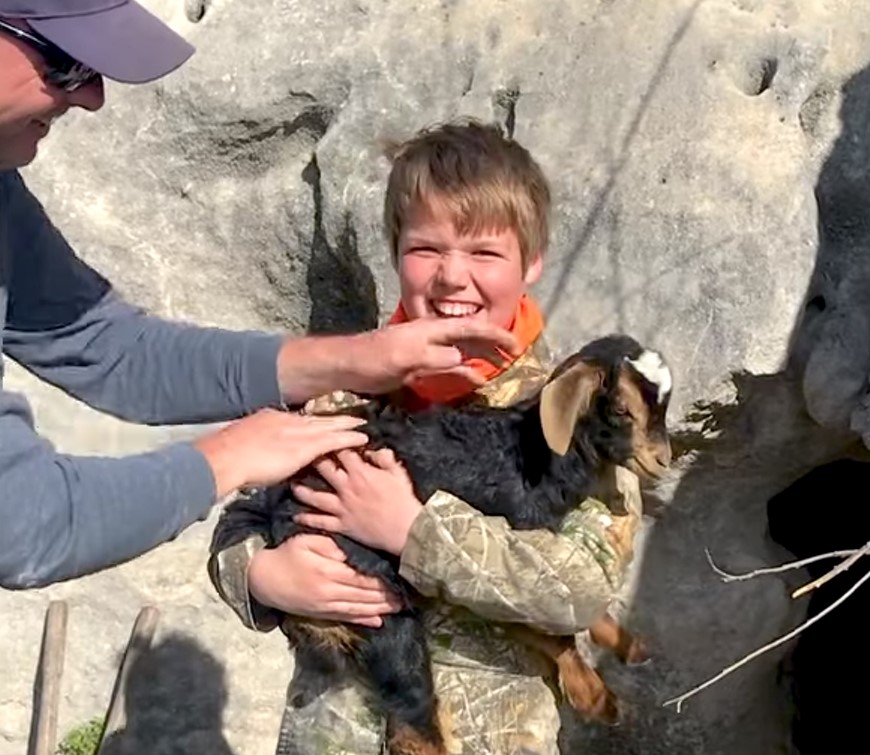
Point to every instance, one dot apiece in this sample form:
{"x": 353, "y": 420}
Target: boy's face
{"x": 445, "y": 274}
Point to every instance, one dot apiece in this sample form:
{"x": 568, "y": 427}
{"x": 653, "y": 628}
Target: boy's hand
{"x": 374, "y": 501}
{"x": 307, "y": 576}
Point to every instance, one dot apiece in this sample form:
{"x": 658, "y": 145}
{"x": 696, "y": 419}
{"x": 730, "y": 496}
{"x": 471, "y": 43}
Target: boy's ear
{"x": 534, "y": 269}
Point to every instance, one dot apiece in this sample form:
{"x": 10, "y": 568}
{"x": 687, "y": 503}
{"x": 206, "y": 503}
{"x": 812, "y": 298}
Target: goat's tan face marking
{"x": 651, "y": 365}
{"x": 651, "y": 450}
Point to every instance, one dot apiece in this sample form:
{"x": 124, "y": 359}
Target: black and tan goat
{"x": 531, "y": 463}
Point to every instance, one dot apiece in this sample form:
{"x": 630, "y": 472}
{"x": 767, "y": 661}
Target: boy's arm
{"x": 556, "y": 583}
{"x": 228, "y": 571}
{"x": 240, "y": 532}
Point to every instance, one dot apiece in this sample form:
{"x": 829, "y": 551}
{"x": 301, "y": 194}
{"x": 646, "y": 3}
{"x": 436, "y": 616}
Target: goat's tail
{"x": 396, "y": 659}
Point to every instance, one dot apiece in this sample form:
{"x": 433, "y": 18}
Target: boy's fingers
{"x": 376, "y": 622}
{"x": 323, "y": 522}
{"x": 383, "y": 458}
{"x": 359, "y": 610}
{"x": 351, "y": 461}
{"x": 376, "y": 601}
{"x": 331, "y": 472}
{"x": 318, "y": 499}
{"x": 324, "y": 546}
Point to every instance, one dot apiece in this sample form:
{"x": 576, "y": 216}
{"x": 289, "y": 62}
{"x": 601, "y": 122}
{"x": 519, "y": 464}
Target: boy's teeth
{"x": 455, "y": 309}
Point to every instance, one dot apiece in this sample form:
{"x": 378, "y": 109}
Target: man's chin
{"x": 14, "y": 156}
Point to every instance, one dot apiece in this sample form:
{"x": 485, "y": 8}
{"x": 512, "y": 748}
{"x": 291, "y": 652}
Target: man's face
{"x": 28, "y": 104}
{"x": 446, "y": 274}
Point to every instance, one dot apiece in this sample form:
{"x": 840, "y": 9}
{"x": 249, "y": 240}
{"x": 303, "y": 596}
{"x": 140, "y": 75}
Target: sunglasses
{"x": 62, "y": 71}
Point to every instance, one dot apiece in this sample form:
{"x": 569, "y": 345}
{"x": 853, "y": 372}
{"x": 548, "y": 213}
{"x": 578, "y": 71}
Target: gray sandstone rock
{"x": 686, "y": 142}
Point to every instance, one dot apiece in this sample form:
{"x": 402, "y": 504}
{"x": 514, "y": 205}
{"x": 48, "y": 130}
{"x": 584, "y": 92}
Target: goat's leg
{"x": 396, "y": 660}
{"x": 581, "y": 684}
{"x": 608, "y": 633}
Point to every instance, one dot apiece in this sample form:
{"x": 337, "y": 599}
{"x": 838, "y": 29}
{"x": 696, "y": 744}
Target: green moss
{"x": 83, "y": 740}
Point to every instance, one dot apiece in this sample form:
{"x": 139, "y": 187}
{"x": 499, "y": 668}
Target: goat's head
{"x": 614, "y": 394}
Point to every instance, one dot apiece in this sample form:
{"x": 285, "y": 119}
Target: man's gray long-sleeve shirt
{"x": 63, "y": 516}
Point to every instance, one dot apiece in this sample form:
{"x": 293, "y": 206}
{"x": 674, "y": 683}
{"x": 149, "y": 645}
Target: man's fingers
{"x": 463, "y": 371}
{"x": 333, "y": 421}
{"x": 318, "y": 499}
{"x": 324, "y": 444}
{"x": 478, "y": 333}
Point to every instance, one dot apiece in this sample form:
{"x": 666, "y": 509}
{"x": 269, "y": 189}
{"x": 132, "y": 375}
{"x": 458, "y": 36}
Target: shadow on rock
{"x": 174, "y": 701}
{"x": 340, "y": 285}
{"x": 740, "y": 455}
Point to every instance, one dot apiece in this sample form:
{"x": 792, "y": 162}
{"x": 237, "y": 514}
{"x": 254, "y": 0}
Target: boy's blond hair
{"x": 484, "y": 180}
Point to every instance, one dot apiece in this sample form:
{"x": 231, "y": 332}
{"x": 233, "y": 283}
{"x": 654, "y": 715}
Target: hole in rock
{"x": 828, "y": 510}
{"x": 757, "y": 77}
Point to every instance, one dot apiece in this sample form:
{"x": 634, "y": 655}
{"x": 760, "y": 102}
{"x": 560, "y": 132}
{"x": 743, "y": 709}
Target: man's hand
{"x": 374, "y": 501}
{"x": 269, "y": 446}
{"x": 307, "y": 576}
{"x": 379, "y": 361}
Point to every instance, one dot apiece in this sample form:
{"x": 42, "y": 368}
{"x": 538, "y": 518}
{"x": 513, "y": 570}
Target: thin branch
{"x": 726, "y": 577}
{"x": 839, "y": 569}
{"x": 770, "y": 646}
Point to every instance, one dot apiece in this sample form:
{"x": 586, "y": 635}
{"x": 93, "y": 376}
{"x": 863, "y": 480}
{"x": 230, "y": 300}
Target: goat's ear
{"x": 564, "y": 400}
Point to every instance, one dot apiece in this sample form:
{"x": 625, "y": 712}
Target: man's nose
{"x": 91, "y": 96}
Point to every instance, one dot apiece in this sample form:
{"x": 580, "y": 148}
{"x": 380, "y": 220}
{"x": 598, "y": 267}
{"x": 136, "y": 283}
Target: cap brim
{"x": 125, "y": 43}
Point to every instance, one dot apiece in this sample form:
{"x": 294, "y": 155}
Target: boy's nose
{"x": 453, "y": 271}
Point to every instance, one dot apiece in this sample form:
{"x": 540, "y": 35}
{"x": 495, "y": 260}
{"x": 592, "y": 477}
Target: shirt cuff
{"x": 261, "y": 371}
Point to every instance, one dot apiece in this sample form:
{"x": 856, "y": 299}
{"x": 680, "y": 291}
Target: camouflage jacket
{"x": 478, "y": 572}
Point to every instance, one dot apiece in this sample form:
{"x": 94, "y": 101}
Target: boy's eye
{"x": 486, "y": 253}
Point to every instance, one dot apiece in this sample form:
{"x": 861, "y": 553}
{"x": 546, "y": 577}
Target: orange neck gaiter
{"x": 527, "y": 324}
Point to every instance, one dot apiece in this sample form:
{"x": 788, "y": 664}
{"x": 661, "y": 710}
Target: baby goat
{"x": 530, "y": 463}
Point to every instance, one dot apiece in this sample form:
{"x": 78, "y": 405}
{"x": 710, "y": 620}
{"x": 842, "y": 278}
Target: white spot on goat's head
{"x": 651, "y": 365}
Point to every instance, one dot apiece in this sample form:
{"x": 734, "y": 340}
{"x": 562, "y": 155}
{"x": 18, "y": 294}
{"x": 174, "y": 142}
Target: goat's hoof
{"x": 607, "y": 710}
{"x": 637, "y": 654}
{"x": 600, "y": 707}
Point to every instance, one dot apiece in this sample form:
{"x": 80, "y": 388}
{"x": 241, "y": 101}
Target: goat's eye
{"x": 620, "y": 409}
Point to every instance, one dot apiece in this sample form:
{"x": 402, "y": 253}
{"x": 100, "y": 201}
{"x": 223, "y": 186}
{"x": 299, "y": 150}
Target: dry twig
{"x": 726, "y": 577}
{"x": 770, "y": 646}
{"x": 839, "y": 569}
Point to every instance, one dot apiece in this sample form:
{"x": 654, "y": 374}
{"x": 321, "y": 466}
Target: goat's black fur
{"x": 498, "y": 460}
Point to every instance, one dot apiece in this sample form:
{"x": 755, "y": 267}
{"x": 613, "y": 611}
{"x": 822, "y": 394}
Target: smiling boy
{"x": 466, "y": 215}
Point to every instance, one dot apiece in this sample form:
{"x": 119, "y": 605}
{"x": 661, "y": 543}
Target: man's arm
{"x": 65, "y": 324}
{"x": 66, "y": 516}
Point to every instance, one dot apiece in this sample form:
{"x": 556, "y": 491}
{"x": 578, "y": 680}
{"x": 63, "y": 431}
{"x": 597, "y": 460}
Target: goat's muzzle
{"x": 652, "y": 460}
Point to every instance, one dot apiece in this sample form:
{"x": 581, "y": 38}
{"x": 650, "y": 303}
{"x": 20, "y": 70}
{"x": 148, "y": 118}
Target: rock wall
{"x": 709, "y": 160}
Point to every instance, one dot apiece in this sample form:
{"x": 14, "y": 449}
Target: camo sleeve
{"x": 228, "y": 571}
{"x": 555, "y": 582}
